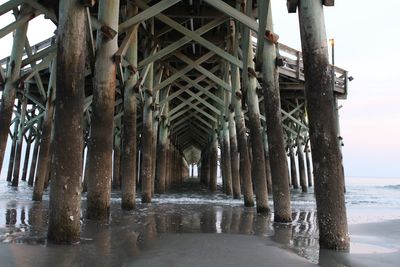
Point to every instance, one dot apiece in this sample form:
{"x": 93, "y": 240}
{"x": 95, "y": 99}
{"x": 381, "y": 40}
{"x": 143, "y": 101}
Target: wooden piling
{"x": 329, "y": 182}
{"x": 65, "y": 193}
{"x": 273, "y": 117}
{"x": 45, "y": 144}
{"x": 245, "y": 167}
{"x": 27, "y": 155}
{"x": 32, "y": 169}
{"x": 129, "y": 140}
{"x": 102, "y": 122}
{"x": 12, "y": 75}
{"x": 257, "y": 148}
{"x": 212, "y": 185}
{"x": 20, "y": 138}
{"x": 162, "y": 145}
{"x": 267, "y": 163}
{"x": 227, "y": 157}
{"x": 13, "y": 144}
{"x": 293, "y": 169}
{"x": 146, "y": 172}
{"x": 302, "y": 170}
{"x": 308, "y": 164}
{"x": 116, "y": 181}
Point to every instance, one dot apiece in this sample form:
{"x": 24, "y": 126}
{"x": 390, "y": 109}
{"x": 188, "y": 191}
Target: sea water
{"x": 192, "y": 209}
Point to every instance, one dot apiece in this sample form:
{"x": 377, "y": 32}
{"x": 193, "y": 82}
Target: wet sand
{"x": 222, "y": 233}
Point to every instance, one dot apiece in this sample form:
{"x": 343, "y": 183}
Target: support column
{"x": 213, "y": 161}
{"x": 267, "y": 163}
{"x": 227, "y": 157}
{"x": 257, "y": 148}
{"x": 329, "y": 184}
{"x": 146, "y": 172}
{"x": 273, "y": 117}
{"x": 14, "y": 144}
{"x": 102, "y": 123}
{"x": 129, "y": 156}
{"x": 293, "y": 170}
{"x": 65, "y": 193}
{"x": 162, "y": 146}
{"x": 245, "y": 167}
{"x": 116, "y": 182}
{"x": 302, "y": 170}
{"x": 233, "y": 146}
{"x": 162, "y": 156}
{"x": 45, "y": 144}
{"x": 27, "y": 155}
{"x": 308, "y": 163}
{"x": 156, "y": 113}
{"x": 20, "y": 138}
{"x": 234, "y": 155}
{"x": 13, "y": 73}
{"x": 32, "y": 170}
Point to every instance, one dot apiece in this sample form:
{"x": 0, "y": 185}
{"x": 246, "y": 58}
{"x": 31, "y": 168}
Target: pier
{"x": 132, "y": 96}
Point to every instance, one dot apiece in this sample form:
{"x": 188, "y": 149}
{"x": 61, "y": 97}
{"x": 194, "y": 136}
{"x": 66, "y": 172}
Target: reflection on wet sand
{"x": 128, "y": 234}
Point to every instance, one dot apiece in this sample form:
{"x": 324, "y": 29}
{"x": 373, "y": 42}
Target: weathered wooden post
{"x": 129, "y": 139}
{"x": 293, "y": 169}
{"x": 47, "y": 128}
{"x": 13, "y": 73}
{"x": 102, "y": 122}
{"x": 27, "y": 155}
{"x": 257, "y": 148}
{"x": 65, "y": 193}
{"x": 156, "y": 122}
{"x": 162, "y": 146}
{"x": 146, "y": 172}
{"x": 267, "y": 162}
{"x": 273, "y": 116}
{"x": 116, "y": 181}
{"x": 32, "y": 170}
{"x": 212, "y": 185}
{"x": 234, "y": 154}
{"x": 20, "y": 138}
{"x": 230, "y": 128}
{"x": 14, "y": 144}
{"x": 227, "y": 153}
{"x": 302, "y": 170}
{"x": 245, "y": 167}
{"x": 329, "y": 183}
{"x": 308, "y": 164}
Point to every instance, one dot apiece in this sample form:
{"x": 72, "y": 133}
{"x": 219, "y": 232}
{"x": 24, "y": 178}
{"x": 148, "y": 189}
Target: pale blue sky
{"x": 366, "y": 35}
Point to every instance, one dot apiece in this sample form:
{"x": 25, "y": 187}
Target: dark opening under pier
{"x": 134, "y": 97}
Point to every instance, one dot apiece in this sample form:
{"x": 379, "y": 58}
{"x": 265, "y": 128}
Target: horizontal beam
{"x": 234, "y": 13}
{"x": 146, "y": 14}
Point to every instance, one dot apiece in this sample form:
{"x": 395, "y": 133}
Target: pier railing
{"x": 292, "y": 64}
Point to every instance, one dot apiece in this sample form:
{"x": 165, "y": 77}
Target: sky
{"x": 366, "y": 34}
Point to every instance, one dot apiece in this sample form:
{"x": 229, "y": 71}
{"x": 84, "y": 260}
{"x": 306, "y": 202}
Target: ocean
{"x": 193, "y": 210}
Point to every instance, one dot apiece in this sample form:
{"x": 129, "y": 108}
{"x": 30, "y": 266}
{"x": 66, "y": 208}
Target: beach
{"x": 191, "y": 227}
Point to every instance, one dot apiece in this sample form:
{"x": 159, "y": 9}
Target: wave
{"x": 394, "y": 186}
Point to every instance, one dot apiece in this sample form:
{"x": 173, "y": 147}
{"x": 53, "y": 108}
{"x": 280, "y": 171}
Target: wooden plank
{"x": 14, "y": 25}
{"x": 146, "y": 14}
{"x": 234, "y": 13}
{"x": 9, "y": 5}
